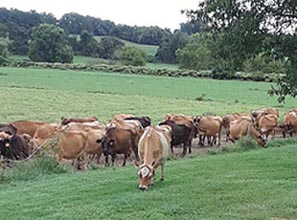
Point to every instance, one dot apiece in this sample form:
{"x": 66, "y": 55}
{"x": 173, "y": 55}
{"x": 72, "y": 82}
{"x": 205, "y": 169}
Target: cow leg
{"x": 106, "y": 161}
{"x": 113, "y": 157}
{"x": 125, "y": 158}
{"x": 219, "y": 139}
{"x": 190, "y": 145}
{"x": 162, "y": 171}
{"x": 284, "y": 134}
{"x": 184, "y": 149}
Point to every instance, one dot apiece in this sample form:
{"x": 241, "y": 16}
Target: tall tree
{"x": 49, "y": 44}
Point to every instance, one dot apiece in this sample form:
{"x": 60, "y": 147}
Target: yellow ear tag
{"x": 7, "y": 145}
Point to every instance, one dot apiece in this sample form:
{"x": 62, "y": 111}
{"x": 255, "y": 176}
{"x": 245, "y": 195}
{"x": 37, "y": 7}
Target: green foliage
{"x": 245, "y": 29}
{"x": 133, "y": 56}
{"x": 4, "y": 53}
{"x": 49, "y": 44}
{"x": 264, "y": 64}
{"x": 197, "y": 54}
{"x": 110, "y": 48}
{"x": 88, "y": 45}
{"x": 169, "y": 45}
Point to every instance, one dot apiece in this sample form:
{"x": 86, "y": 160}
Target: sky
{"x": 162, "y": 13}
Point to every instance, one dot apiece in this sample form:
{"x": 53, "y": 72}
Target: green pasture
{"x": 258, "y": 184}
{"x": 44, "y": 94}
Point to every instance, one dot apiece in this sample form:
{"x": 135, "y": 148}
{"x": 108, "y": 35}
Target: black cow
{"x": 145, "y": 120}
{"x": 8, "y": 128}
{"x": 180, "y": 135}
{"x": 14, "y": 147}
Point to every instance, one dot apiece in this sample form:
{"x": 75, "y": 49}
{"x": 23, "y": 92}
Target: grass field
{"x": 46, "y": 94}
{"x": 258, "y": 184}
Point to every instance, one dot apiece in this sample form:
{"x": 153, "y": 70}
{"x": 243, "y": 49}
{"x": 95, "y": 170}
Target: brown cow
{"x": 241, "y": 128}
{"x": 290, "y": 123}
{"x": 210, "y": 127}
{"x": 183, "y": 120}
{"x": 14, "y": 147}
{"x": 119, "y": 140}
{"x": 153, "y": 150}
{"x": 27, "y": 127}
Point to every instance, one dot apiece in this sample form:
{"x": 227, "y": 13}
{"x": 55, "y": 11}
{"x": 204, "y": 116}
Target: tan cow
{"x": 241, "y": 128}
{"x": 74, "y": 145}
{"x": 153, "y": 150}
{"x": 210, "y": 127}
{"x": 27, "y": 127}
{"x": 43, "y": 135}
{"x": 227, "y": 119}
{"x": 122, "y": 116}
{"x": 267, "y": 124}
{"x": 264, "y": 111}
{"x": 290, "y": 123}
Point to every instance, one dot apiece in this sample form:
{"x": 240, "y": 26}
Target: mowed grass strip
{"x": 259, "y": 184}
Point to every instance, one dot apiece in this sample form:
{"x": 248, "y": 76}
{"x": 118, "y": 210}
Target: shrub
{"x": 133, "y": 56}
{"x": 262, "y": 63}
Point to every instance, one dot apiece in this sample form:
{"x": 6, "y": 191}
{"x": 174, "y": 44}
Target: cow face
{"x": 146, "y": 177}
{"x": 107, "y": 144}
{"x": 260, "y": 140}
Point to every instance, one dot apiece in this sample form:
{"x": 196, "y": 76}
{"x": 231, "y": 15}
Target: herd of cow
{"x": 85, "y": 139}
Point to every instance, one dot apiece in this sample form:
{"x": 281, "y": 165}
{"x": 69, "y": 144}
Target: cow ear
{"x": 136, "y": 164}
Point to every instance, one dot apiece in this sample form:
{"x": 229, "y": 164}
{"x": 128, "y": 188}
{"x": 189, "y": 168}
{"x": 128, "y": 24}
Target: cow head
{"x": 146, "y": 121}
{"x": 5, "y": 144}
{"x": 146, "y": 175}
{"x": 260, "y": 140}
{"x": 107, "y": 145}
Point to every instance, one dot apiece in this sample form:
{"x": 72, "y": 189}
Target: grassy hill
{"x": 150, "y": 50}
{"x": 259, "y": 184}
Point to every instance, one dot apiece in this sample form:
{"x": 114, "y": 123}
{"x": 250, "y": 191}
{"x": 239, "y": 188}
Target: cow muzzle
{"x": 141, "y": 187}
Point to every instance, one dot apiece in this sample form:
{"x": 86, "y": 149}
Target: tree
{"x": 243, "y": 26}
{"x": 88, "y": 45}
{"x": 49, "y": 44}
{"x": 170, "y": 43}
{"x": 133, "y": 56}
{"x": 109, "y": 47}
{"x": 4, "y": 44}
{"x": 197, "y": 54}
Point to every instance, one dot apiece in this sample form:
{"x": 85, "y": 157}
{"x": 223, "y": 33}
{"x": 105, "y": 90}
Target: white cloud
{"x": 163, "y": 13}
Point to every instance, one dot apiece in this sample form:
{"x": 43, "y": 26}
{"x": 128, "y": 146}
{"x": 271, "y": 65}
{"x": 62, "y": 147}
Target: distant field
{"x": 150, "y": 50}
{"x": 46, "y": 94}
{"x": 260, "y": 184}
